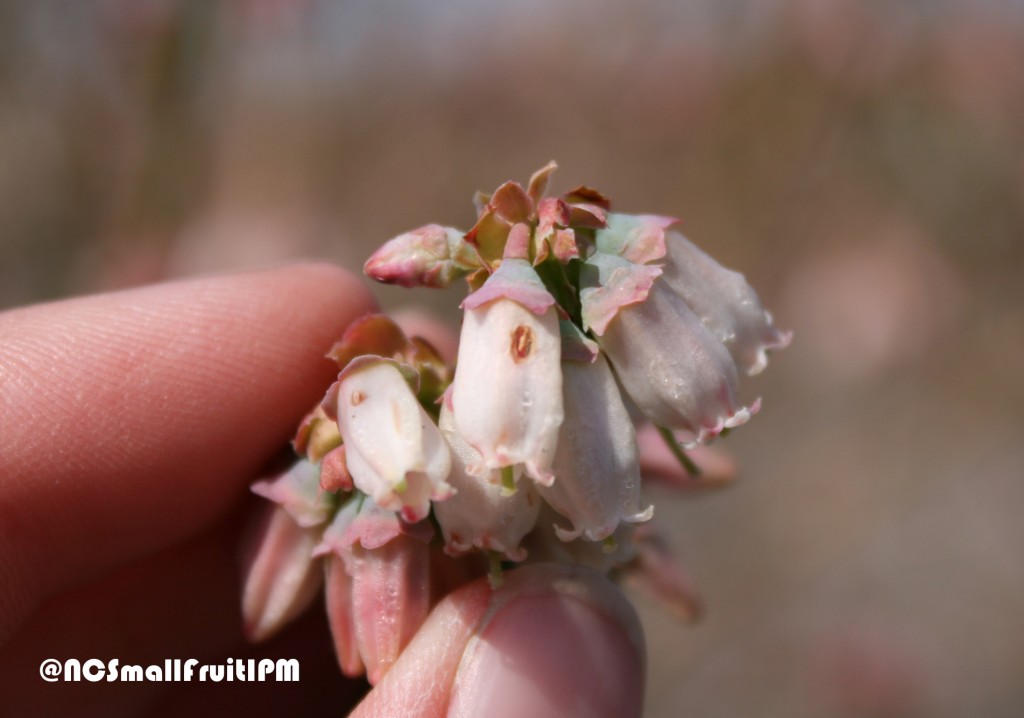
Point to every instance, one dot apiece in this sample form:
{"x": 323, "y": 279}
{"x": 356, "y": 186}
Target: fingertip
{"x": 553, "y": 641}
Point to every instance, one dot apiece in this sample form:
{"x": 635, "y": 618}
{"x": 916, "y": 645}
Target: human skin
{"x": 131, "y": 425}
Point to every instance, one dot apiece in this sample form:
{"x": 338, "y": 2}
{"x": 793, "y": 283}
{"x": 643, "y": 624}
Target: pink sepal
{"x": 610, "y": 284}
{"x": 538, "y": 185}
{"x": 517, "y": 280}
{"x": 638, "y": 238}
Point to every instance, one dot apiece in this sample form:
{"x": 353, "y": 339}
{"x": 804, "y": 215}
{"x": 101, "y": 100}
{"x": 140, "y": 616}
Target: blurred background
{"x": 861, "y": 162}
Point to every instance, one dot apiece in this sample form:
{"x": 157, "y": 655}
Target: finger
{"x": 131, "y": 420}
{"x": 553, "y": 641}
{"x": 182, "y": 602}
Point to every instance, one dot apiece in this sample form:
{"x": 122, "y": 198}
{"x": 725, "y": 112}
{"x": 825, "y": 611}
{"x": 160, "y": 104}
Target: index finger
{"x": 131, "y": 420}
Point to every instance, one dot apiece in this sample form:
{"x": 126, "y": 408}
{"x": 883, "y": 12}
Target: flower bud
{"x": 340, "y": 618}
{"x": 481, "y": 514}
{"x": 394, "y": 451}
{"x": 390, "y": 599}
{"x": 282, "y": 576}
{"x": 507, "y": 392}
{"x": 431, "y": 256}
{"x": 724, "y": 302}
{"x": 597, "y": 471}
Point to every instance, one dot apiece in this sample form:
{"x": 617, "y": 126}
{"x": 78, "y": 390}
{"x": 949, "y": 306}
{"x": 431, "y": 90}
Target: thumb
{"x": 554, "y": 640}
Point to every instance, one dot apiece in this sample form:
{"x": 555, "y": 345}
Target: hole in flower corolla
{"x": 357, "y": 398}
{"x": 522, "y": 343}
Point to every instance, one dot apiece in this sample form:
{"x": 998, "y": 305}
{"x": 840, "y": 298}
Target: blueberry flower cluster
{"x": 581, "y": 328}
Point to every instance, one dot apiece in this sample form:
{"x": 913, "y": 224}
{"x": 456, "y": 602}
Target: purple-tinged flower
{"x": 597, "y": 471}
{"x": 722, "y": 299}
{"x": 675, "y": 370}
{"x": 394, "y": 451}
{"x": 507, "y": 392}
{"x": 282, "y": 577}
{"x": 431, "y": 256}
{"x": 482, "y": 514}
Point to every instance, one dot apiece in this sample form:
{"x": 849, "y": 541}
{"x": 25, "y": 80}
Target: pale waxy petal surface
{"x": 507, "y": 393}
{"x": 481, "y": 514}
{"x": 724, "y": 301}
{"x": 394, "y": 451}
{"x": 597, "y": 471}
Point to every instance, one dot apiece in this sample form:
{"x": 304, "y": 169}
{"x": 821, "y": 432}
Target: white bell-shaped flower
{"x": 507, "y": 392}
{"x": 482, "y": 514}
{"x": 394, "y": 451}
{"x": 597, "y": 469}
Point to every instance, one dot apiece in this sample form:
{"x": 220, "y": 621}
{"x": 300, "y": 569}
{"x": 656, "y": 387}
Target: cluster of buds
{"x": 586, "y": 334}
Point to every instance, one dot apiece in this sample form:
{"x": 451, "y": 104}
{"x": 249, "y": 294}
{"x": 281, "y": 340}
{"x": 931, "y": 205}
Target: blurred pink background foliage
{"x": 862, "y": 162}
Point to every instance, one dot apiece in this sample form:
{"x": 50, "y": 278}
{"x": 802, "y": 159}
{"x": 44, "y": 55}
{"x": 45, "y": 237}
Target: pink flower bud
{"x": 387, "y": 596}
{"x": 394, "y": 451}
{"x": 507, "y": 392}
{"x": 390, "y": 599}
{"x": 481, "y": 514}
{"x": 431, "y": 256}
{"x": 597, "y": 471}
{"x": 723, "y": 300}
{"x": 339, "y": 615}
{"x": 282, "y": 576}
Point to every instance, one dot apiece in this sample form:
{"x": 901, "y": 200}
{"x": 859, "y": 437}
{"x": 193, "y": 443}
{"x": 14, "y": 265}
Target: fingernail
{"x": 555, "y": 643}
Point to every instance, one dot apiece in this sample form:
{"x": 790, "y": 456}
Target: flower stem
{"x": 508, "y": 481}
{"x": 677, "y": 451}
{"x": 496, "y": 576}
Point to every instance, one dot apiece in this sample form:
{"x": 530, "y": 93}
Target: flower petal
{"x": 507, "y": 393}
{"x": 481, "y": 515}
{"x": 394, "y": 451}
{"x": 298, "y": 491}
{"x": 678, "y": 373}
{"x": 723, "y": 300}
{"x": 597, "y": 471}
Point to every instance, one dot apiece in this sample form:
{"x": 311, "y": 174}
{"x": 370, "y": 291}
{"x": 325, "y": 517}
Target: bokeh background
{"x": 862, "y": 162}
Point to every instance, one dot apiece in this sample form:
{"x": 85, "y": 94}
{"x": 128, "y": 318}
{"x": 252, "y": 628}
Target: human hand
{"x": 132, "y": 424}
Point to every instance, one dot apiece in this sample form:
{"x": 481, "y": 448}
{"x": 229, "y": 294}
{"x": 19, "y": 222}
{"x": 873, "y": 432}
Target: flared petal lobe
{"x": 394, "y": 451}
{"x": 507, "y": 392}
{"x": 480, "y": 514}
{"x": 597, "y": 471}
{"x": 724, "y": 302}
